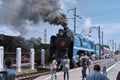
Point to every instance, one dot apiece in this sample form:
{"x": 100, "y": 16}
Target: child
{"x": 104, "y": 70}
{"x": 53, "y": 69}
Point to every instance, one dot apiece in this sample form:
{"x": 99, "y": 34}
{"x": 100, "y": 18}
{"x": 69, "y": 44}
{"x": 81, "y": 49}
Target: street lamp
{"x": 98, "y": 29}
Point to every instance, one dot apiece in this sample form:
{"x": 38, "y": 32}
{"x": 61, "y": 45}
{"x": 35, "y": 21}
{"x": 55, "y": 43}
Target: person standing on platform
{"x": 84, "y": 62}
{"x": 96, "y": 74}
{"x": 89, "y": 61}
{"x": 66, "y": 67}
{"x": 53, "y": 69}
{"x": 8, "y": 68}
{"x": 104, "y": 70}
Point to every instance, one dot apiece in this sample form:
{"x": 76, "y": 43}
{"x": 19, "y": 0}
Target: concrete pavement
{"x": 75, "y": 74}
{"x": 113, "y": 71}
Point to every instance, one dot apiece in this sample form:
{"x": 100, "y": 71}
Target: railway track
{"x": 32, "y": 75}
{"x": 43, "y": 71}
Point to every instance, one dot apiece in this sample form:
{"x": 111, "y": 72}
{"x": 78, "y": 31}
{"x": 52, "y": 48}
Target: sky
{"x": 94, "y": 13}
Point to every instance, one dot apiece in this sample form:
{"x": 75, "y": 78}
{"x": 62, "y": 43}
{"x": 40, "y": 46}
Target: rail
{"x": 32, "y": 75}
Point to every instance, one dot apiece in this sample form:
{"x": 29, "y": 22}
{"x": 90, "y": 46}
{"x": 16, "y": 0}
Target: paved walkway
{"x": 75, "y": 74}
{"x": 113, "y": 71}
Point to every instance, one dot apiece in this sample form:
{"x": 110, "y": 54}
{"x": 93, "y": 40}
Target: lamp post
{"x": 98, "y": 29}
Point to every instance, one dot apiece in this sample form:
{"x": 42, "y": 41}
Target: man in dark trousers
{"x": 84, "y": 62}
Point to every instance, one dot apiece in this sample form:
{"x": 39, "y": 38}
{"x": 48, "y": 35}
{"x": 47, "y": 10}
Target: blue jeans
{"x": 84, "y": 75}
{"x": 53, "y": 73}
{"x": 66, "y": 73}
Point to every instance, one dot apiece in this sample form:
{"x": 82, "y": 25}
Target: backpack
{"x": 54, "y": 65}
{"x": 84, "y": 62}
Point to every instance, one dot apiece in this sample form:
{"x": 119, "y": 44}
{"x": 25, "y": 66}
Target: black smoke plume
{"x": 17, "y": 12}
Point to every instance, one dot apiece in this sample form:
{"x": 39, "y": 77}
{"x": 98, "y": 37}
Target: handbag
{"x": 54, "y": 67}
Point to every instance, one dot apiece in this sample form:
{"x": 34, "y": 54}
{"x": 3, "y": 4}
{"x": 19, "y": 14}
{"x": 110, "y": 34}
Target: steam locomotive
{"x": 72, "y": 44}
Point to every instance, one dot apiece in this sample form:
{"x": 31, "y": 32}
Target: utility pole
{"x": 102, "y": 37}
{"x": 113, "y": 45}
{"x": 99, "y": 42}
{"x": 99, "y": 37}
{"x": 74, "y": 18}
{"x": 45, "y": 36}
{"x": 119, "y": 46}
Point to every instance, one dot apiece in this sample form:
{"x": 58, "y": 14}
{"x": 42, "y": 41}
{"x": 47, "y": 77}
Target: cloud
{"x": 67, "y": 3}
{"x": 0, "y": 2}
{"x": 71, "y": 1}
{"x": 7, "y": 31}
{"x": 86, "y": 25}
{"x": 15, "y": 13}
{"x": 110, "y": 29}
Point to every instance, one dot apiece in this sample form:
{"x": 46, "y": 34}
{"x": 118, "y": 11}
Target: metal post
{"x": 102, "y": 38}
{"x": 32, "y": 59}
{"x": 18, "y": 59}
{"x": 75, "y": 20}
{"x": 119, "y": 46}
{"x": 113, "y": 45}
{"x": 99, "y": 42}
{"x": 99, "y": 37}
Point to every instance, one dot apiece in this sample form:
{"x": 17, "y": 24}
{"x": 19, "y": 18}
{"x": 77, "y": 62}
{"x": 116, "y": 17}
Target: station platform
{"x": 75, "y": 74}
{"x": 113, "y": 71}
